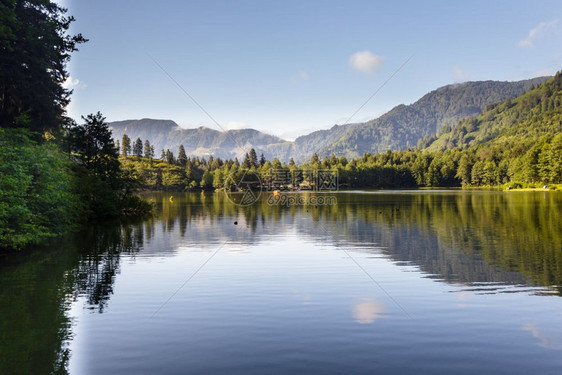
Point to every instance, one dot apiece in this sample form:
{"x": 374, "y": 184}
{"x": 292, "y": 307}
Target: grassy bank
{"x": 520, "y": 186}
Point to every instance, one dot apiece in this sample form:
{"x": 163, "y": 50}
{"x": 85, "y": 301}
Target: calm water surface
{"x": 383, "y": 282}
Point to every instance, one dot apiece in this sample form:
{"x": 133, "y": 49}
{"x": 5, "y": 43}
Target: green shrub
{"x": 514, "y": 185}
{"x": 36, "y": 197}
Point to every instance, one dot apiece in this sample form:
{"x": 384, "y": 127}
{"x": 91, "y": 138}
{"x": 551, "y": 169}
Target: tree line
{"x": 479, "y": 166}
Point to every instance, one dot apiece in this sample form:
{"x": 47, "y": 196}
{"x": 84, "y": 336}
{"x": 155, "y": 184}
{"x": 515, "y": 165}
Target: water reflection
{"x": 485, "y": 242}
{"x": 484, "y": 239}
{"x": 367, "y": 310}
{"x": 37, "y": 289}
{"x": 545, "y": 339}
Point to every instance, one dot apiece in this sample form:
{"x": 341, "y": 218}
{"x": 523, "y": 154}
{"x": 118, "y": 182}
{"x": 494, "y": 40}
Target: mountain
{"x": 523, "y": 120}
{"x": 305, "y": 146}
{"x": 400, "y": 128}
{"x": 403, "y": 126}
{"x": 202, "y": 141}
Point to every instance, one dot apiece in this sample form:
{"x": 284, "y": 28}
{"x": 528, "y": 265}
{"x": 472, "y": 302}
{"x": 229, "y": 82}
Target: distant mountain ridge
{"x": 522, "y": 120}
{"x": 404, "y": 125}
{"x": 202, "y": 141}
{"x": 400, "y": 128}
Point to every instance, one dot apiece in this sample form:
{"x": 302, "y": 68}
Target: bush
{"x": 514, "y": 185}
{"x": 135, "y": 205}
{"x": 36, "y": 197}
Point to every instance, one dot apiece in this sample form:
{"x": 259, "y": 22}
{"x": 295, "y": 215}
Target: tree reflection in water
{"x": 484, "y": 241}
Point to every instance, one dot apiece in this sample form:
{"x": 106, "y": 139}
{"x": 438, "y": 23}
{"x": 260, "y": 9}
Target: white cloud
{"x": 366, "y": 61}
{"x": 541, "y": 29}
{"x": 460, "y": 74}
{"x": 232, "y": 125}
{"x": 291, "y": 135}
{"x": 73, "y": 83}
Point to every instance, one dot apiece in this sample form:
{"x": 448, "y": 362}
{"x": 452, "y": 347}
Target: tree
{"x": 218, "y": 179}
{"x": 93, "y": 145}
{"x": 170, "y": 157}
{"x": 163, "y": 155}
{"x": 158, "y": 182}
{"x": 152, "y": 153}
{"x": 117, "y": 145}
{"x": 253, "y": 158}
{"x": 34, "y": 51}
{"x": 477, "y": 173}
{"x": 315, "y": 159}
{"x": 246, "y": 163}
{"x": 555, "y": 160}
{"x": 262, "y": 160}
{"x": 207, "y": 180}
{"x": 464, "y": 171}
{"x": 137, "y": 148}
{"x": 182, "y": 157}
{"x": 125, "y": 145}
{"x": 531, "y": 164}
{"x": 147, "y": 150}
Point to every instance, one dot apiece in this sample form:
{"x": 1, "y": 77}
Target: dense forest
{"x": 517, "y": 142}
{"x": 54, "y": 173}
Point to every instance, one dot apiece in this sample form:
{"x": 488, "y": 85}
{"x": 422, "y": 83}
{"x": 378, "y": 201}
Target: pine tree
{"x": 555, "y": 159}
{"x": 170, "y": 157}
{"x": 246, "y": 163}
{"x": 137, "y": 148}
{"x": 262, "y": 160}
{"x": 182, "y": 157}
{"x": 464, "y": 171}
{"x": 147, "y": 150}
{"x": 125, "y": 145}
{"x": 163, "y": 155}
{"x": 34, "y": 51}
{"x": 207, "y": 180}
{"x": 93, "y": 144}
{"x": 315, "y": 159}
{"x": 253, "y": 158}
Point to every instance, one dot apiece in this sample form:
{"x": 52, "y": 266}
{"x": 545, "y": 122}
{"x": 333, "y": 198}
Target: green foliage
{"x": 36, "y": 191}
{"x": 182, "y": 157}
{"x": 34, "y": 51}
{"x": 91, "y": 144}
{"x": 155, "y": 174}
{"x": 519, "y": 139}
{"x": 148, "y": 150}
{"x": 125, "y": 145}
{"x": 138, "y": 148}
{"x": 102, "y": 185}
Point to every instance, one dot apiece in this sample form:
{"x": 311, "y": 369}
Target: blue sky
{"x": 291, "y": 67}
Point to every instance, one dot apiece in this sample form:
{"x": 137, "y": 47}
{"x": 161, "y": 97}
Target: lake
{"x": 410, "y": 282}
